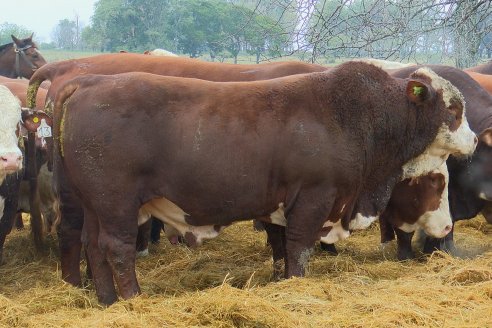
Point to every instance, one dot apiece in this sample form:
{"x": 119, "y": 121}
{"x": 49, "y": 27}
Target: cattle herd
{"x": 309, "y": 152}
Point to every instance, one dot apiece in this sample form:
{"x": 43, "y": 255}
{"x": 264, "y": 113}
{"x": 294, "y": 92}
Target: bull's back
{"x": 172, "y": 130}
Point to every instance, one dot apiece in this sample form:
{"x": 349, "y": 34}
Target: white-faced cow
{"x": 470, "y": 181}
{"x": 11, "y": 156}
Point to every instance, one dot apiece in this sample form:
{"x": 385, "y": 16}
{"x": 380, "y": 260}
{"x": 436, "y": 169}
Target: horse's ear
{"x": 30, "y": 38}
{"x": 17, "y": 41}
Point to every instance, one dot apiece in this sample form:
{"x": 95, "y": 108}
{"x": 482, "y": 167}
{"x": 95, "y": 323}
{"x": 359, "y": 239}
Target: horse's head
{"x": 27, "y": 57}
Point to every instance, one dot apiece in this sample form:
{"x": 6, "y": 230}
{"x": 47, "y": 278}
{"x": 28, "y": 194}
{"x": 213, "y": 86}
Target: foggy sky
{"x": 42, "y": 16}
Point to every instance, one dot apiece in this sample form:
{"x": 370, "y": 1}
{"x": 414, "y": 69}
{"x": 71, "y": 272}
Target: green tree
{"x": 7, "y": 29}
{"x": 264, "y": 35}
{"x": 65, "y": 34}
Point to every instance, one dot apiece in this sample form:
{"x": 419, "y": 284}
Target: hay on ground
{"x": 227, "y": 283}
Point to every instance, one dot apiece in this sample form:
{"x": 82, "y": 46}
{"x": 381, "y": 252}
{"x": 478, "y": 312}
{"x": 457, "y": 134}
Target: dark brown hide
{"x": 223, "y": 151}
{"x": 60, "y": 72}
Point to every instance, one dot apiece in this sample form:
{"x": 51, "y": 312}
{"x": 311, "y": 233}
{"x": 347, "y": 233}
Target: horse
{"x": 20, "y": 58}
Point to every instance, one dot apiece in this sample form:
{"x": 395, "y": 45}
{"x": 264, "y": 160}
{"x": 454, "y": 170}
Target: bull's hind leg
{"x": 304, "y": 222}
{"x": 117, "y": 240}
{"x": 69, "y": 230}
{"x": 101, "y": 271}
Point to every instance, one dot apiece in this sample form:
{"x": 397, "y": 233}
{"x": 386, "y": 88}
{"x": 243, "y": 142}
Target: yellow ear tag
{"x": 35, "y": 119}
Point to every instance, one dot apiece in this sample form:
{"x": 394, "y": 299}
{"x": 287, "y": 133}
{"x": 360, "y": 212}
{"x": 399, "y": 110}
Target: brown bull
{"x": 199, "y": 155}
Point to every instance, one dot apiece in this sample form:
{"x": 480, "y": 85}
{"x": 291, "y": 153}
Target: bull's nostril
{"x": 448, "y": 228}
{"x": 476, "y": 140}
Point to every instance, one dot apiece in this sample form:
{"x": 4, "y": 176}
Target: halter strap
{"x": 19, "y": 52}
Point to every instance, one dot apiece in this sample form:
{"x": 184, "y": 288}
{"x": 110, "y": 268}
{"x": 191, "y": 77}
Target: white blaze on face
{"x": 447, "y": 142}
{"x": 171, "y": 214}
{"x": 435, "y": 223}
{"x": 10, "y": 116}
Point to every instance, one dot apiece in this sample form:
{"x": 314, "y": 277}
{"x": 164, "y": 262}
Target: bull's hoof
{"x": 446, "y": 246}
{"x": 405, "y": 254}
{"x": 107, "y": 300}
{"x": 143, "y": 253}
{"x": 278, "y": 270}
{"x": 330, "y": 248}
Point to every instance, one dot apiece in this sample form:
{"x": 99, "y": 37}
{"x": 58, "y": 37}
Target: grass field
{"x": 227, "y": 283}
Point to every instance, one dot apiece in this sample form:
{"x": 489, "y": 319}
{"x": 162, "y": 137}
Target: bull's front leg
{"x": 404, "y": 244}
{"x": 304, "y": 221}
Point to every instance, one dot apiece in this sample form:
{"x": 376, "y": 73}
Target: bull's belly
{"x": 170, "y": 213}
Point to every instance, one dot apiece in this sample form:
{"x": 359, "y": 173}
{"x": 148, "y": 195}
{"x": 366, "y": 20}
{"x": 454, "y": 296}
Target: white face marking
{"x": 434, "y": 223}
{"x": 10, "y": 111}
{"x": 447, "y": 142}
{"x": 483, "y": 196}
{"x": 171, "y": 214}
{"x": 336, "y": 233}
{"x": 461, "y": 141}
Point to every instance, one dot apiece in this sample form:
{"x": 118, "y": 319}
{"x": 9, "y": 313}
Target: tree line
{"x": 430, "y": 31}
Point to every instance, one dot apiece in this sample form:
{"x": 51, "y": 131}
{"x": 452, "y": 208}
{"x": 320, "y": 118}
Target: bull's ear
{"x": 417, "y": 92}
{"x": 147, "y": 52}
{"x": 486, "y": 137}
{"x": 31, "y": 120}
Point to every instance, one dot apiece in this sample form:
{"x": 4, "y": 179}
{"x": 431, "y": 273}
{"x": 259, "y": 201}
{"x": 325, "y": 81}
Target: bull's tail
{"x": 62, "y": 97}
{"x": 42, "y": 74}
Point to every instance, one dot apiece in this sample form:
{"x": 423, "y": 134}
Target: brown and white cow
{"x": 470, "y": 181}
{"x": 11, "y": 156}
{"x": 416, "y": 203}
{"x": 199, "y": 155}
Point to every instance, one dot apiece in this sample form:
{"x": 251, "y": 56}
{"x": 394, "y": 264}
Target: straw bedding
{"x": 227, "y": 283}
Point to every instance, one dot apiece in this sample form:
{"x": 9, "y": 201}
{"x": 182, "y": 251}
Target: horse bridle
{"x": 20, "y": 52}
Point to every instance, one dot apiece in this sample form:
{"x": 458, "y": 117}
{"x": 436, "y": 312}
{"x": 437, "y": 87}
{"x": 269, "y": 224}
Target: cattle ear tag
{"x": 35, "y": 119}
{"x": 417, "y": 91}
{"x": 44, "y": 130}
